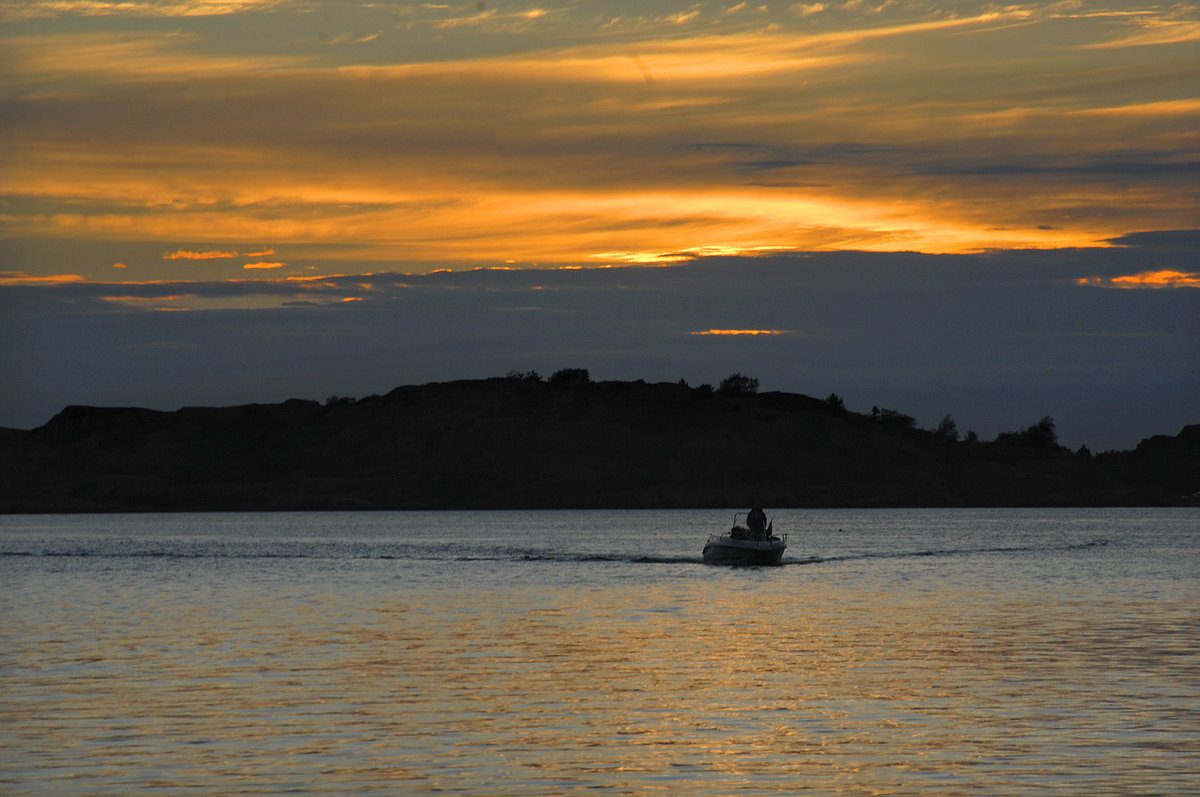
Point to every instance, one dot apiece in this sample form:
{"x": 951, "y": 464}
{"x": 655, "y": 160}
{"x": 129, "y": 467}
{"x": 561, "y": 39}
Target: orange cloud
{"x": 137, "y": 299}
{"x": 740, "y": 332}
{"x": 1158, "y": 279}
{"x": 1155, "y": 33}
{"x": 1160, "y": 108}
{"x": 710, "y": 144}
{"x": 118, "y": 56}
{"x": 1166, "y": 278}
{"x": 185, "y": 254}
{"x": 264, "y": 265}
{"x": 35, "y": 9}
{"x": 12, "y": 278}
{"x": 120, "y": 265}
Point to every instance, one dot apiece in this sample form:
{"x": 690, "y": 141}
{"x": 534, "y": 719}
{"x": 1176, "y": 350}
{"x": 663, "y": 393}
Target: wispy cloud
{"x": 1166, "y": 278}
{"x": 491, "y": 18}
{"x": 14, "y": 278}
{"x": 1154, "y": 33}
{"x": 64, "y": 63}
{"x": 1182, "y": 107}
{"x": 684, "y": 17}
{"x": 41, "y": 9}
{"x": 208, "y": 254}
{"x": 808, "y": 9}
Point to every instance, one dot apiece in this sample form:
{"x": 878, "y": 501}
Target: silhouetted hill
{"x": 526, "y": 444}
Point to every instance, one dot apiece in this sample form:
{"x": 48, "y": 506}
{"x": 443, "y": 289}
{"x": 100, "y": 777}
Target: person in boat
{"x": 756, "y": 521}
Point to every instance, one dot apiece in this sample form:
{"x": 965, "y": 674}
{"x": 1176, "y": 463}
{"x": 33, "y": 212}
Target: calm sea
{"x": 895, "y": 652}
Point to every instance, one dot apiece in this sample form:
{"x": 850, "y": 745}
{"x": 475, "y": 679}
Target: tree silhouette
{"x": 1040, "y": 435}
{"x": 737, "y": 384}
{"x": 524, "y": 376}
{"x": 570, "y": 376}
{"x": 892, "y": 419}
{"x": 948, "y": 427}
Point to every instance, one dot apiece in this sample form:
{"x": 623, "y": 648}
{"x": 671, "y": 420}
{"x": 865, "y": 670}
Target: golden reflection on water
{"x": 833, "y": 678}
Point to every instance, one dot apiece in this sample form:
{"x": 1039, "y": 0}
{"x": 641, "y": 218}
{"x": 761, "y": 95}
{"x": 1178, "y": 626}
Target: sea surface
{"x": 931, "y": 652}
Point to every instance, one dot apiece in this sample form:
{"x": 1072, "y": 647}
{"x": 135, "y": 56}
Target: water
{"x": 902, "y": 652}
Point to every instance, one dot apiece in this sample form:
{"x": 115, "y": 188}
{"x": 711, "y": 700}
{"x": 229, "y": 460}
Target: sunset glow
{"x": 896, "y": 199}
{"x": 739, "y": 128}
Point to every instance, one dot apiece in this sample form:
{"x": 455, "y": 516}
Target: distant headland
{"x": 525, "y": 442}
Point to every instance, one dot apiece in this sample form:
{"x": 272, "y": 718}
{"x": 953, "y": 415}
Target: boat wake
{"x": 426, "y": 554}
{"x": 950, "y": 552}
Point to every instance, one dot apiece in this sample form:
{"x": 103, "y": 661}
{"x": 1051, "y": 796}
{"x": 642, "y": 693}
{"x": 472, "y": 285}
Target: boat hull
{"x": 725, "y": 550}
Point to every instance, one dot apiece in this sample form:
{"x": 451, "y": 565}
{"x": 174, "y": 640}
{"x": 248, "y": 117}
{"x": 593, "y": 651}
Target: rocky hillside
{"x": 519, "y": 443}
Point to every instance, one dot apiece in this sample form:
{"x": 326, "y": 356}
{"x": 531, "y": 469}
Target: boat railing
{"x": 716, "y": 536}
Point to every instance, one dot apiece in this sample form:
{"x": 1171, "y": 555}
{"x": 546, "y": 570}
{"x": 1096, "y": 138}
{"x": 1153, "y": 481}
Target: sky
{"x": 988, "y": 210}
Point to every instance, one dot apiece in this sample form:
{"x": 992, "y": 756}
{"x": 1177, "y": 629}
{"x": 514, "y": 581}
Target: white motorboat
{"x": 742, "y": 546}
